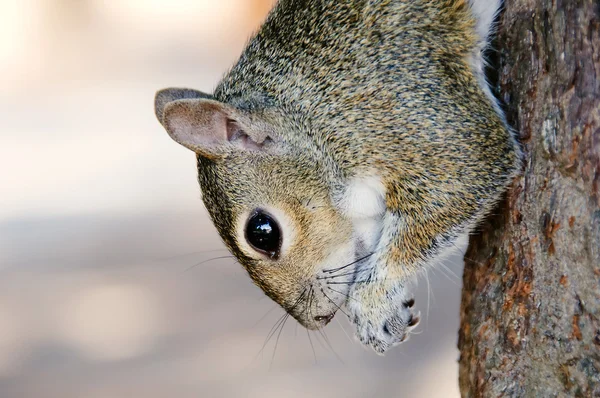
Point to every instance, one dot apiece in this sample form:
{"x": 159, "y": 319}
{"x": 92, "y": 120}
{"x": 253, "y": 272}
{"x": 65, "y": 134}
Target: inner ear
{"x": 239, "y": 136}
{"x": 209, "y": 127}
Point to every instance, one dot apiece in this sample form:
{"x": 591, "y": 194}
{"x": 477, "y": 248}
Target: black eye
{"x": 263, "y": 234}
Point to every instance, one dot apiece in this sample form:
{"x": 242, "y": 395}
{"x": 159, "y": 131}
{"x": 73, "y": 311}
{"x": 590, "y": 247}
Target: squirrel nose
{"x": 325, "y": 319}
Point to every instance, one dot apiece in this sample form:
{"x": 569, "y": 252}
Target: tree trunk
{"x": 530, "y": 314}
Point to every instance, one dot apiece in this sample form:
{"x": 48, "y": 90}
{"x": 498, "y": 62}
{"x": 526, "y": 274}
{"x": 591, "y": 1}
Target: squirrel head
{"x": 270, "y": 200}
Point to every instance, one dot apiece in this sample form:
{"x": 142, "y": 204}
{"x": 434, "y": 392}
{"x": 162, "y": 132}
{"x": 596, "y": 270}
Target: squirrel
{"x": 354, "y": 144}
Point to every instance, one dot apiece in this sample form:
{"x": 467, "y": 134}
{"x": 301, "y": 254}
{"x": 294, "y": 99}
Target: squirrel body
{"x": 352, "y": 145}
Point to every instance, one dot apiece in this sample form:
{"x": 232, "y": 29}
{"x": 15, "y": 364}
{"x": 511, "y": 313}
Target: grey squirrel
{"x": 353, "y": 144}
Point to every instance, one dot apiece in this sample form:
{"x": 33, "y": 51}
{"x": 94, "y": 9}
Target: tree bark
{"x": 530, "y": 313}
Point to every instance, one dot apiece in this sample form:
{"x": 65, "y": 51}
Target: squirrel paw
{"x": 381, "y": 324}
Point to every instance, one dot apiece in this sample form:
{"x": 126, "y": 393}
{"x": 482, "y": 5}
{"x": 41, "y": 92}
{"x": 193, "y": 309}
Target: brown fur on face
{"x": 234, "y": 186}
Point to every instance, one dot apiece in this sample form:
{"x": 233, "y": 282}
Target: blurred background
{"x": 103, "y": 289}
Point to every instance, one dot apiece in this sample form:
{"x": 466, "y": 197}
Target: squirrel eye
{"x": 263, "y": 234}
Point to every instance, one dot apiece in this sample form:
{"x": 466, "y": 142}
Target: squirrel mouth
{"x": 324, "y": 319}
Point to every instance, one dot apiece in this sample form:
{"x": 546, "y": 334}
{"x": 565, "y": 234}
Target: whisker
{"x": 326, "y": 338}
{"x": 275, "y": 327}
{"x": 273, "y": 330}
{"x": 340, "y": 275}
{"x": 464, "y": 252}
{"x": 299, "y": 300}
{"x": 263, "y": 317}
{"x": 309, "y": 313}
{"x": 207, "y": 261}
{"x": 296, "y": 330}
{"x": 277, "y": 341}
{"x": 443, "y": 269}
{"x": 332, "y": 270}
{"x": 311, "y": 346}
{"x": 343, "y": 294}
{"x": 319, "y": 340}
{"x": 192, "y": 254}
{"x": 328, "y": 345}
{"x": 348, "y": 283}
{"x": 321, "y": 332}
{"x": 309, "y": 303}
{"x": 428, "y": 298}
{"x": 343, "y": 330}
{"x": 451, "y": 272}
{"x": 270, "y": 335}
{"x": 334, "y": 303}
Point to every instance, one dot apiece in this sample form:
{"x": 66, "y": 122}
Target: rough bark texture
{"x": 530, "y": 317}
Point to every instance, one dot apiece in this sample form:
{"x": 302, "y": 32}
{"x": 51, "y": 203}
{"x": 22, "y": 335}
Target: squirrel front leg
{"x": 379, "y": 304}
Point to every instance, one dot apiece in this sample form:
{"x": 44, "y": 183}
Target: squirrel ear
{"x": 167, "y": 95}
{"x": 202, "y": 124}
{"x": 199, "y": 125}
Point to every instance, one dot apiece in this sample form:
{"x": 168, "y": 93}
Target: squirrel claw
{"x": 384, "y": 326}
